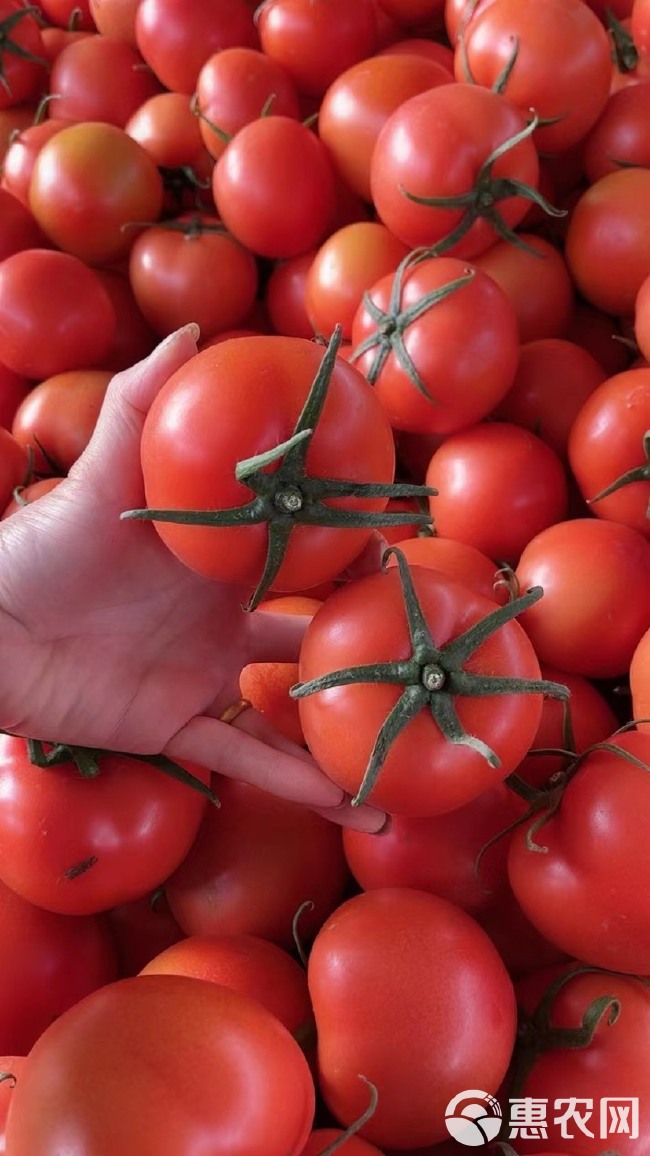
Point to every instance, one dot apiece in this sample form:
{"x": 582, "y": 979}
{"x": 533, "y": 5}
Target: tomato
{"x": 236, "y": 86}
{"x": 14, "y": 465}
{"x": 408, "y": 333}
{"x": 274, "y": 187}
{"x": 100, "y": 78}
{"x": 554, "y": 378}
{"x": 11, "y": 1068}
{"x": 170, "y": 266}
{"x": 640, "y": 25}
{"x": 521, "y": 946}
{"x": 22, "y": 66}
{"x": 596, "y": 606}
{"x": 375, "y": 952}
{"x": 254, "y": 862}
{"x": 45, "y": 291}
{"x": 50, "y": 962}
{"x": 18, "y": 229}
{"x": 13, "y": 388}
{"x": 142, "y": 929}
{"x": 456, "y": 559}
{"x": 102, "y": 841}
{"x": 284, "y": 296}
{"x": 421, "y": 762}
{"x": 58, "y": 416}
{"x": 608, "y": 242}
{"x": 358, "y": 103}
{"x": 134, "y": 338}
{"x": 240, "y": 1082}
{"x": 642, "y": 317}
{"x": 167, "y": 128}
{"x": 580, "y": 1073}
{"x": 440, "y": 854}
{"x": 421, "y": 46}
{"x": 594, "y": 871}
{"x": 539, "y": 286}
{"x": 56, "y": 39}
{"x": 316, "y": 42}
{"x": 621, "y": 136}
{"x": 266, "y": 686}
{"x": 607, "y": 445}
{"x": 176, "y": 37}
{"x": 69, "y": 14}
{"x": 599, "y": 334}
{"x": 572, "y": 92}
{"x": 115, "y": 18}
{"x": 18, "y": 165}
{"x": 23, "y": 495}
{"x": 88, "y": 184}
{"x": 243, "y": 963}
{"x": 529, "y": 490}
{"x": 411, "y": 159}
{"x": 13, "y": 120}
{"x": 640, "y": 682}
{"x": 240, "y": 398}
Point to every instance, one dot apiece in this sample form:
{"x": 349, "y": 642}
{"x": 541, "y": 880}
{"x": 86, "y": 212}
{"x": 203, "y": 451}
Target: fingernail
{"x": 386, "y": 826}
{"x": 192, "y": 330}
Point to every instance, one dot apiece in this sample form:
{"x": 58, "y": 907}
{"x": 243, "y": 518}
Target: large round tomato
{"x": 242, "y": 398}
{"x": 168, "y": 1064}
{"x": 57, "y": 417}
{"x": 100, "y": 78}
{"x": 429, "y": 767}
{"x": 537, "y": 284}
{"x": 408, "y": 992}
{"x": 236, "y": 86}
{"x": 77, "y": 846}
{"x": 316, "y": 42}
{"x": 176, "y": 37}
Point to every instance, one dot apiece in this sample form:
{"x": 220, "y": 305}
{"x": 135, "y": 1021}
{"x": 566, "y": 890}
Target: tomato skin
{"x": 274, "y": 187}
{"x": 169, "y": 271}
{"x": 540, "y": 290}
{"x": 11, "y": 1068}
{"x": 257, "y": 387}
{"x": 14, "y": 465}
{"x": 316, "y": 42}
{"x": 134, "y": 338}
{"x": 284, "y": 296}
{"x": 606, "y": 441}
{"x": 243, "y": 963}
{"x": 23, "y": 79}
{"x": 358, "y": 103}
{"x": 620, "y": 134}
{"x": 131, "y": 826}
{"x": 456, "y": 559}
{"x": 376, "y": 950}
{"x": 233, "y": 88}
{"x": 467, "y": 123}
{"x": 141, "y": 930}
{"x": 100, "y": 78}
{"x": 554, "y": 378}
{"x": 597, "y": 332}
{"x": 60, "y": 413}
{"x": 594, "y": 874}
{"x": 46, "y": 291}
{"x": 89, "y": 181}
{"x": 575, "y": 89}
{"x": 607, "y": 243}
{"x": 266, "y": 686}
{"x": 423, "y": 774}
{"x": 476, "y": 318}
{"x": 14, "y": 387}
{"x": 176, "y": 37}
{"x": 347, "y": 264}
{"x": 567, "y": 626}
{"x": 233, "y": 1061}
{"x": 19, "y": 163}
{"x": 640, "y": 682}
{"x": 115, "y": 18}
{"x": 320, "y": 1138}
{"x": 255, "y": 860}
{"x": 53, "y": 962}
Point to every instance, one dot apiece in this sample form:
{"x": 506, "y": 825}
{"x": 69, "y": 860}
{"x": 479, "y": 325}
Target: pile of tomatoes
{"x": 415, "y": 235}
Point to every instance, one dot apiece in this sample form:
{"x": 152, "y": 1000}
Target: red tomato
{"x": 23, "y": 495}
{"x": 321, "y": 1138}
{"x": 11, "y": 1068}
{"x": 18, "y": 165}
{"x": 43, "y": 291}
{"x": 411, "y": 159}
{"x": 100, "y": 78}
{"x": 424, "y": 770}
{"x": 168, "y": 129}
{"x": 521, "y": 946}
{"x": 642, "y": 318}
{"x": 18, "y": 229}
{"x": 440, "y": 1029}
{"x": 170, "y": 266}
{"x": 237, "y": 399}
{"x": 58, "y": 416}
{"x": 274, "y": 187}
{"x": 528, "y": 492}
{"x": 14, "y": 387}
{"x": 142, "y": 929}
{"x": 115, "y": 18}
{"x": 640, "y": 682}
{"x": 22, "y": 66}
{"x": 594, "y": 872}
{"x": 608, "y": 242}
{"x": 266, "y": 686}
{"x": 539, "y": 287}
{"x": 134, "y": 338}
{"x": 53, "y": 962}
{"x": 255, "y": 861}
{"x": 554, "y": 378}
{"x": 316, "y": 42}
{"x": 456, "y": 559}
{"x": 407, "y": 333}
{"x": 358, "y": 103}
{"x": 599, "y": 334}
{"x": 77, "y": 846}
{"x": 596, "y": 605}
{"x": 572, "y": 93}
{"x": 608, "y": 444}
{"x": 621, "y": 136}
{"x": 284, "y": 296}
{"x": 88, "y": 184}
{"x": 236, "y": 86}
{"x": 243, "y": 963}
{"x": 14, "y": 465}
{"x": 640, "y": 25}
{"x": 241, "y": 1084}
{"x": 69, "y": 14}
{"x": 176, "y": 37}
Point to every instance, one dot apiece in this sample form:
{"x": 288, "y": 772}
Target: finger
{"x": 112, "y": 457}
{"x": 275, "y": 637}
{"x": 368, "y": 819}
{"x": 232, "y": 752}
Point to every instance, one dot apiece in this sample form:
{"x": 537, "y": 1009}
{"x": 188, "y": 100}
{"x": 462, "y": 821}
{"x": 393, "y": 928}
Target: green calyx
{"x": 9, "y": 46}
{"x": 289, "y": 496}
{"x": 483, "y": 199}
{"x": 637, "y": 474}
{"x": 433, "y": 677}
{"x": 392, "y": 324}
{"x": 87, "y": 759}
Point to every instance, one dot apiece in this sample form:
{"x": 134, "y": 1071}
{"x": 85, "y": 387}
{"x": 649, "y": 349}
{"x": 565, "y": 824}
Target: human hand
{"x": 108, "y": 641}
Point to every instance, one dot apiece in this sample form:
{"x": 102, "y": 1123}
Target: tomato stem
{"x": 357, "y": 1125}
{"x": 625, "y": 54}
{"x": 289, "y": 496}
{"x": 636, "y": 474}
{"x": 433, "y": 677}
{"x": 9, "y": 46}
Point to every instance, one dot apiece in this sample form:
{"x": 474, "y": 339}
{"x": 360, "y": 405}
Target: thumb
{"x": 111, "y": 460}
